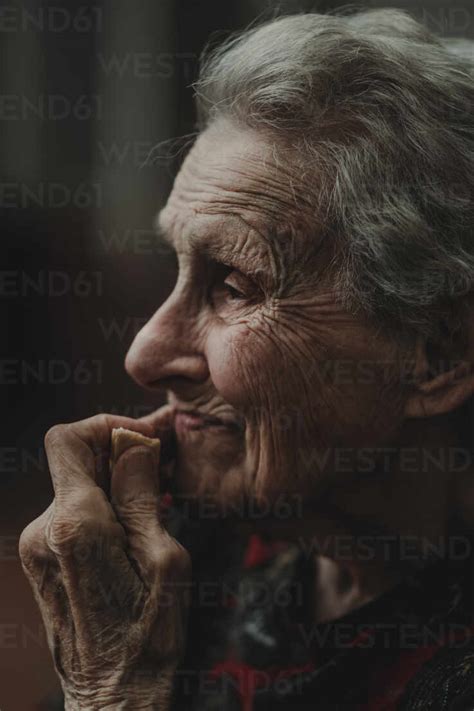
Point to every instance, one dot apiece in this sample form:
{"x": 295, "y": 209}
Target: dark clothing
{"x": 411, "y": 649}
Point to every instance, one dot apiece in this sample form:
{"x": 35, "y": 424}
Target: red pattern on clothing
{"x": 390, "y": 683}
{"x": 248, "y": 679}
{"x": 258, "y": 552}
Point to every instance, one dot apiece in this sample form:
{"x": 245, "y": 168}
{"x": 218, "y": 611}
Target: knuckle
{"x": 54, "y": 436}
{"x": 101, "y": 420}
{"x": 84, "y": 504}
{"x": 173, "y": 561}
{"x": 82, "y": 521}
{"x": 63, "y": 533}
{"x": 67, "y": 536}
{"x": 32, "y": 546}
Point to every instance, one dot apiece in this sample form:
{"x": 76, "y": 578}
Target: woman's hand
{"x": 111, "y": 583}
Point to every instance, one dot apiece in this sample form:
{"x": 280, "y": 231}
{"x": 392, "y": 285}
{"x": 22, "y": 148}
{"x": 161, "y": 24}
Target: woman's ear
{"x": 443, "y": 374}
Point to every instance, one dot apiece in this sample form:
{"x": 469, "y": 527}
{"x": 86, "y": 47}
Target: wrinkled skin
{"x": 254, "y": 331}
{"x": 110, "y": 582}
{"x": 254, "y": 336}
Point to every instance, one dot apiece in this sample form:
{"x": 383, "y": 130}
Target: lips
{"x": 194, "y": 420}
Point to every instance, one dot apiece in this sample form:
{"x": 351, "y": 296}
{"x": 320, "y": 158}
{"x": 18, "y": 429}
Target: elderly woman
{"x": 317, "y": 354}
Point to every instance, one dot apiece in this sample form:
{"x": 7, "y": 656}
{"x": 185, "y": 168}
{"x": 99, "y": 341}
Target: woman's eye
{"x": 233, "y": 291}
{"x": 230, "y": 285}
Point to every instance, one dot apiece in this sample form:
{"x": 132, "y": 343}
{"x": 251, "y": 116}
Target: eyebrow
{"x": 272, "y": 272}
{"x": 214, "y": 248}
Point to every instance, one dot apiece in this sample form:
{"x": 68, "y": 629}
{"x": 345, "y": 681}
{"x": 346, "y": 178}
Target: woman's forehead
{"x": 229, "y": 165}
{"x": 233, "y": 181}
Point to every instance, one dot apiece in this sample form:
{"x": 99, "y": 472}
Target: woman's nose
{"x": 166, "y": 349}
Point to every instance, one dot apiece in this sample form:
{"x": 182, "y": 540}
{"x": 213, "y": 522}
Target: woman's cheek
{"x": 233, "y": 363}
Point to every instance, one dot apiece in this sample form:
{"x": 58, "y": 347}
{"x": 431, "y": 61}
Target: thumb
{"x": 134, "y": 489}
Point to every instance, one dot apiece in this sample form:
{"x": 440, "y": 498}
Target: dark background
{"x": 87, "y": 91}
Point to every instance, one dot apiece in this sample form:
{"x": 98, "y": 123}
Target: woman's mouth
{"x": 194, "y": 420}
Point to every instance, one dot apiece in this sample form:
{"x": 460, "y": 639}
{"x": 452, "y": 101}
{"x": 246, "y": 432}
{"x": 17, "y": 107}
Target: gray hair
{"x": 383, "y": 109}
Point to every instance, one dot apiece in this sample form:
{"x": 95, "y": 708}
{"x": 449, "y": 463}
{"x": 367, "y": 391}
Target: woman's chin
{"x": 209, "y": 469}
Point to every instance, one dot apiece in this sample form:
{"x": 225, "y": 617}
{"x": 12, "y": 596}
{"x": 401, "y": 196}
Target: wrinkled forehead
{"x": 233, "y": 171}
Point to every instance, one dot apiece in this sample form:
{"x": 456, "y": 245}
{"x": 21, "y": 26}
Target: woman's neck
{"x": 398, "y": 513}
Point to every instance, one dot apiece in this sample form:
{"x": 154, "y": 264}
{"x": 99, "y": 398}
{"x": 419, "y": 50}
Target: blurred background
{"x": 89, "y": 93}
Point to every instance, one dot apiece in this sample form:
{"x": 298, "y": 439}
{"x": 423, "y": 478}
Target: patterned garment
{"x": 412, "y": 649}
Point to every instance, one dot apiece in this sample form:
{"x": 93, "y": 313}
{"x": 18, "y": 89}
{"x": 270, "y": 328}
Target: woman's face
{"x": 274, "y": 385}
